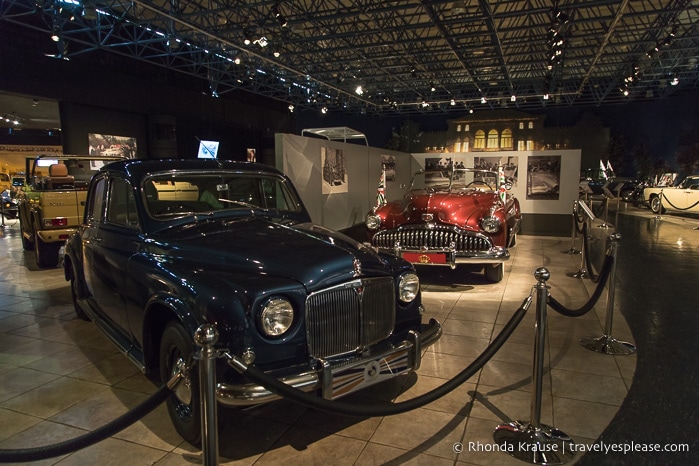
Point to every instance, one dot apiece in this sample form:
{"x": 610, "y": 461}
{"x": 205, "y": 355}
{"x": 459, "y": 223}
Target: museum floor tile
{"x": 60, "y": 377}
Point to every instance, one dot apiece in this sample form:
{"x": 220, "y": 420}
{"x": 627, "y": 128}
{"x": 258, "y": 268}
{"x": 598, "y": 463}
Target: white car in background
{"x": 682, "y": 198}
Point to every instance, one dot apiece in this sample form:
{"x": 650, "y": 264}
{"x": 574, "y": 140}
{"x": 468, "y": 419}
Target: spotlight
{"x": 674, "y": 81}
{"x": 324, "y": 110}
{"x": 359, "y": 90}
{"x": 513, "y": 98}
{"x": 432, "y": 88}
{"x": 483, "y": 100}
{"x": 291, "y": 108}
{"x": 89, "y": 12}
{"x": 453, "y": 102}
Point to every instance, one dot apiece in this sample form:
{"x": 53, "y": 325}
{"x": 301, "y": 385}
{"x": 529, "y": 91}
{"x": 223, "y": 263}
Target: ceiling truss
{"x": 408, "y": 56}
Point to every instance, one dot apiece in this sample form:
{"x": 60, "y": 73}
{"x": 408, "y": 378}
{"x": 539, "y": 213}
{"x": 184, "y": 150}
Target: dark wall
{"x": 101, "y": 92}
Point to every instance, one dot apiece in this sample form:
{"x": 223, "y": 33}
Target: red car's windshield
{"x": 460, "y": 178}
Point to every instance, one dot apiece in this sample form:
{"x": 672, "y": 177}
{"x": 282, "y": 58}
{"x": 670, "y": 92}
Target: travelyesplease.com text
{"x": 567, "y": 447}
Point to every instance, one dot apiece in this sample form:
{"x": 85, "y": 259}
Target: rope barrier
{"x": 350, "y": 409}
{"x": 90, "y": 438}
{"x": 603, "y": 276}
{"x": 674, "y": 206}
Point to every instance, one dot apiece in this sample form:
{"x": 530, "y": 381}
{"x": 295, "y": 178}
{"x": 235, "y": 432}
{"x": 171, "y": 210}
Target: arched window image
{"x": 506, "y": 139}
{"x": 479, "y": 141}
{"x": 493, "y": 139}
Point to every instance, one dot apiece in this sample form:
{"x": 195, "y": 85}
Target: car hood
{"x": 305, "y": 252}
{"x": 453, "y": 208}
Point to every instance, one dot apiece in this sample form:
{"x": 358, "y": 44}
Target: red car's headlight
{"x": 372, "y": 221}
{"x": 490, "y": 224}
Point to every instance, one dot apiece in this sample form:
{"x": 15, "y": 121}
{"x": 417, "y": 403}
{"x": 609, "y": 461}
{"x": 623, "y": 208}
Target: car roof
{"x": 140, "y": 168}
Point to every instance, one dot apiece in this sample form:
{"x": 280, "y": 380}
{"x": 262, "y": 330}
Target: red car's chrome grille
{"x": 432, "y": 238}
{"x": 350, "y": 316}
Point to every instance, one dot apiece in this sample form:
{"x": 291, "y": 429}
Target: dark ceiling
{"x": 408, "y": 56}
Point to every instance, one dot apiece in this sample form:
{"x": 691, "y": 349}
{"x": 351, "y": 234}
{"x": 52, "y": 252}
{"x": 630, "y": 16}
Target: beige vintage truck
{"x": 52, "y": 202}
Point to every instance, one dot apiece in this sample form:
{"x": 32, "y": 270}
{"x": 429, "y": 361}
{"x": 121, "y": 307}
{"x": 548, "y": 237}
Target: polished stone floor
{"x": 59, "y": 377}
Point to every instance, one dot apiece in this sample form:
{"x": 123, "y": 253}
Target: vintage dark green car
{"x": 169, "y": 245}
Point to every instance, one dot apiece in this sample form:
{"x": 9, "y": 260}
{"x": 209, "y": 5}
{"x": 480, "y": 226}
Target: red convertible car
{"x": 449, "y": 217}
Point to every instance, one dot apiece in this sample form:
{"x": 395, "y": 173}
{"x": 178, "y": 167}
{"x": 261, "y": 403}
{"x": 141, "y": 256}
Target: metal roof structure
{"x": 393, "y": 57}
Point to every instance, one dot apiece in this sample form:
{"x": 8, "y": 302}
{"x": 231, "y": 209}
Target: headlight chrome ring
{"x": 490, "y": 224}
{"x": 276, "y": 317}
{"x": 372, "y": 221}
{"x": 408, "y": 287}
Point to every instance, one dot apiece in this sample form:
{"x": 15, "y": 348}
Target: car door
{"x": 674, "y": 198}
{"x": 107, "y": 245}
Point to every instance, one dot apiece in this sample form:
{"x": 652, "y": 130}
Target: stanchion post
{"x": 582, "y": 272}
{"x": 572, "y": 249}
{"x": 606, "y": 212}
{"x": 533, "y": 441}
{"x": 606, "y": 343}
{"x": 206, "y": 337}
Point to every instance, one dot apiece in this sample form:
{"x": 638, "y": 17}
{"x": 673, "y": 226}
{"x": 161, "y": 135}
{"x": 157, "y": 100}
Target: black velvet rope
{"x": 90, "y": 438}
{"x": 603, "y": 276}
{"x": 677, "y": 208}
{"x": 603, "y": 204}
{"x": 351, "y": 409}
{"x": 588, "y": 263}
{"x": 578, "y": 221}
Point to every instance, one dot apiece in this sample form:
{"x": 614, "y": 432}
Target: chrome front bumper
{"x": 333, "y": 382}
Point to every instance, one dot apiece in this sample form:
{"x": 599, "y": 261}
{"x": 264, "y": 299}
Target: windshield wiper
{"x": 243, "y": 203}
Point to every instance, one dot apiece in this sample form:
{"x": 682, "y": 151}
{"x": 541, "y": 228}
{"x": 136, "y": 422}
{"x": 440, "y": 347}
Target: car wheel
{"x": 494, "y": 272}
{"x": 656, "y": 206}
{"x": 46, "y": 253}
{"x": 176, "y": 348}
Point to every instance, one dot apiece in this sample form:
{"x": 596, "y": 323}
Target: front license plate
{"x": 353, "y": 378}
{"x": 425, "y": 258}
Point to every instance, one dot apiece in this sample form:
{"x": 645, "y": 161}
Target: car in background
{"x": 681, "y": 198}
{"x": 166, "y": 246}
{"x": 51, "y": 201}
{"x": 450, "y": 216}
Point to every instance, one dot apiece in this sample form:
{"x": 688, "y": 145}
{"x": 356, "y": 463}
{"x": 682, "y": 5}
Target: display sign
{"x": 207, "y": 149}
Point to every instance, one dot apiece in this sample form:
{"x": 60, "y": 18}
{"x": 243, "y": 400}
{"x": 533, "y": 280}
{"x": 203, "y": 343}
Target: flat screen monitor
{"x": 207, "y": 149}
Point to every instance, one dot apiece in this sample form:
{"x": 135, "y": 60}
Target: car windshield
{"x": 457, "y": 179}
{"x": 178, "y": 194}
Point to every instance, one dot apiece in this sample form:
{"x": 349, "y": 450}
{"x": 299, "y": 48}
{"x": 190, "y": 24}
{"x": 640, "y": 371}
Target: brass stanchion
{"x": 206, "y": 337}
{"x": 606, "y": 343}
{"x": 572, "y": 249}
{"x": 533, "y": 441}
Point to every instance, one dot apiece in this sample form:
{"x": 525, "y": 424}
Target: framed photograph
{"x": 333, "y": 162}
{"x": 107, "y": 144}
{"x": 543, "y": 177}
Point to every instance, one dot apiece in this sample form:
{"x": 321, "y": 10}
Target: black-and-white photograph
{"x": 334, "y": 170}
{"x": 509, "y": 164}
{"x": 543, "y": 177}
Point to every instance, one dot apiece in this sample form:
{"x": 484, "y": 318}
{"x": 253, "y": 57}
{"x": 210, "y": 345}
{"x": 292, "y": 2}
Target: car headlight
{"x": 372, "y": 221}
{"x": 490, "y": 224}
{"x": 276, "y": 317}
{"x": 408, "y": 287}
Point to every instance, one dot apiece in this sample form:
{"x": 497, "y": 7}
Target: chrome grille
{"x": 432, "y": 238}
{"x": 350, "y": 316}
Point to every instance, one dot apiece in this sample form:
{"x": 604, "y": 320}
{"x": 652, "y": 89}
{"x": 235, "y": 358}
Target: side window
{"x": 95, "y": 209}
{"x": 121, "y": 208}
